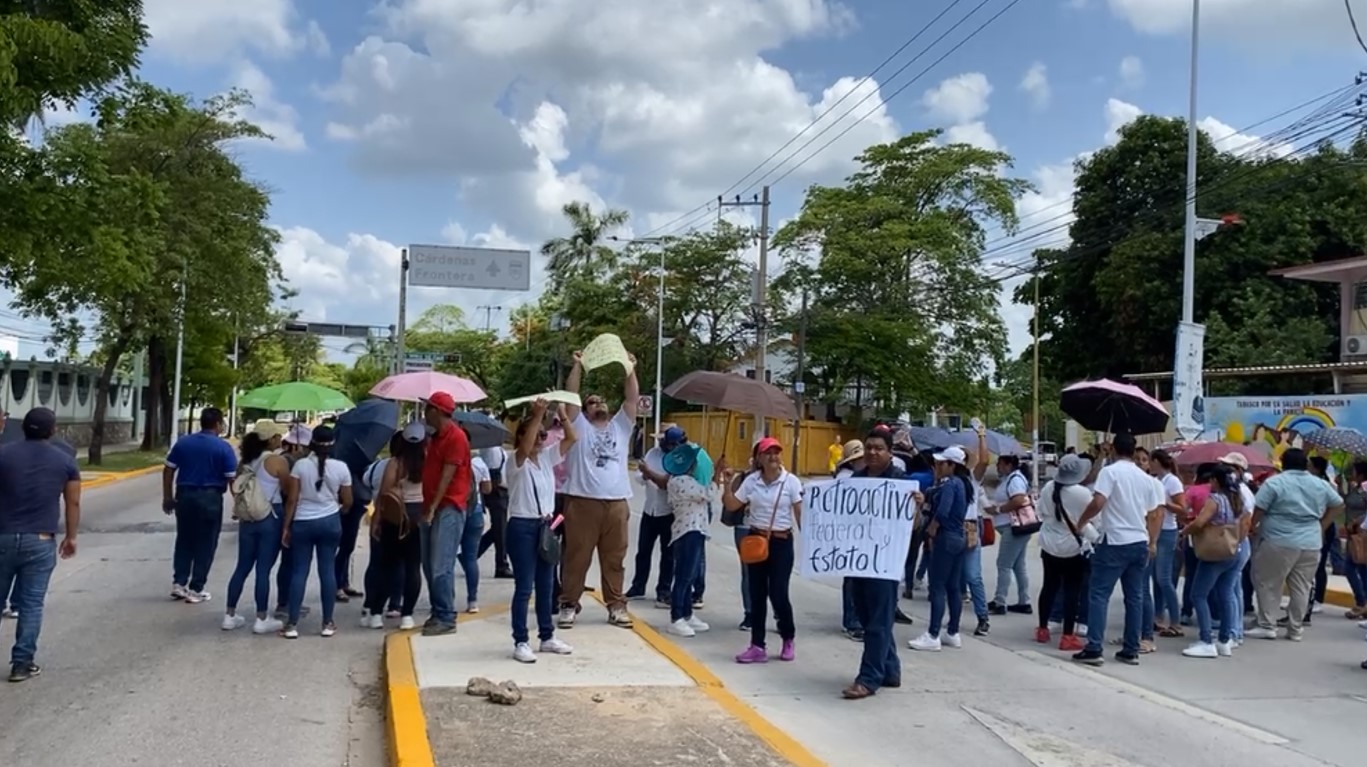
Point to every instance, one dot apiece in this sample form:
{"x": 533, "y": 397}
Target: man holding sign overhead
{"x": 597, "y": 489}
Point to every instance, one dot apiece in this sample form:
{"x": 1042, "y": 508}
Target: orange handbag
{"x": 754, "y": 548}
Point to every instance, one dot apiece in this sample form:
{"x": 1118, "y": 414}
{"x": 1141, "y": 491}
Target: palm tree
{"x": 582, "y": 254}
{"x": 372, "y": 351}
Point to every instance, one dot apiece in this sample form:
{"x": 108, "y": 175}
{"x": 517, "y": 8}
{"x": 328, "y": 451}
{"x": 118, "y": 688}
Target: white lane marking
{"x": 1044, "y": 750}
{"x": 1143, "y": 693}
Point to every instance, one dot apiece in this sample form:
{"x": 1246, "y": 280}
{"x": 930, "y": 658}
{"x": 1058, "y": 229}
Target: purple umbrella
{"x": 1111, "y": 406}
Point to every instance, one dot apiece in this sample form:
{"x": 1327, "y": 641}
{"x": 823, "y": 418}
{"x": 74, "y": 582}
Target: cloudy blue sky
{"x": 474, "y": 121}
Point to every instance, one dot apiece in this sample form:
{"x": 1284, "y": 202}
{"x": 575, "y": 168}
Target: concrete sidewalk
{"x": 617, "y": 700}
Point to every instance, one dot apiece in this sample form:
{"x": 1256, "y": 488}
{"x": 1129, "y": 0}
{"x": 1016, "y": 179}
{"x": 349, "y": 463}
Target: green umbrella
{"x": 298, "y": 395}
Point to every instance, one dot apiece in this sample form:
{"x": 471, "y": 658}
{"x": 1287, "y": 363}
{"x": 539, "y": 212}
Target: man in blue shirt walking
{"x": 35, "y": 476}
{"x": 198, "y": 470}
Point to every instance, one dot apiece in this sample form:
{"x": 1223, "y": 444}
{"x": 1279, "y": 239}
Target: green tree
{"x": 153, "y": 201}
{"x": 891, "y": 264}
{"x": 1111, "y": 299}
{"x": 583, "y": 254}
{"x": 442, "y": 330}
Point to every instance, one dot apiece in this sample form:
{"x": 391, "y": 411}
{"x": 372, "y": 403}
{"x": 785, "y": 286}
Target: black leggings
{"x": 397, "y": 554}
{"x": 769, "y": 584}
{"x": 1069, "y": 573}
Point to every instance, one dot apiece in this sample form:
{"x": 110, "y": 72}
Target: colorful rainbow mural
{"x": 1277, "y": 423}
{"x": 1307, "y": 420}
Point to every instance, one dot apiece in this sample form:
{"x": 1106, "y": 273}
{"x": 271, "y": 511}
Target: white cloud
{"x": 1132, "y": 72}
{"x": 1118, "y": 115}
{"x": 959, "y": 99}
{"x": 276, "y": 118}
{"x": 1036, "y": 85}
{"x": 212, "y": 30}
{"x": 1227, "y": 139}
{"x": 1318, "y": 23}
{"x": 974, "y": 133}
{"x": 317, "y": 40}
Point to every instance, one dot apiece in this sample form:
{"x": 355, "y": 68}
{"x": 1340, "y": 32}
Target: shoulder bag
{"x": 1217, "y": 543}
{"x": 1024, "y": 520}
{"x": 547, "y": 542}
{"x": 754, "y": 548}
{"x": 1357, "y": 547}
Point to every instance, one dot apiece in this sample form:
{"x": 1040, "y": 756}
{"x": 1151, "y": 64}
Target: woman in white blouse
{"x": 773, "y": 499}
{"x": 321, "y": 487}
{"x": 689, "y": 493}
{"x": 531, "y": 507}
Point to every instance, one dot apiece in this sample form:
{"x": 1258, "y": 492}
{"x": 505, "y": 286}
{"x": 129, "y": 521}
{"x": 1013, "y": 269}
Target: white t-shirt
{"x": 786, "y": 491}
{"x": 975, "y": 509}
{"x": 657, "y": 498}
{"x": 1172, "y": 486}
{"x": 319, "y": 502}
{"x": 598, "y": 459}
{"x": 495, "y": 458}
{"x": 531, "y": 482}
{"x": 1055, "y": 538}
{"x": 1014, "y": 484}
{"x": 1130, "y": 495}
{"x": 479, "y": 471}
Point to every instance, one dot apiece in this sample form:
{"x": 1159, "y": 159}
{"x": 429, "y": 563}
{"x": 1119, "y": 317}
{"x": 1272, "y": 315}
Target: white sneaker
{"x": 952, "y": 640}
{"x": 1260, "y": 633}
{"x": 697, "y": 624}
{"x": 376, "y": 621}
{"x": 565, "y": 620}
{"x": 267, "y": 626}
{"x": 1362, "y": 625}
{"x": 1316, "y": 608}
{"x": 925, "y": 642}
{"x": 523, "y": 653}
{"x": 619, "y": 617}
{"x": 556, "y": 646}
{"x": 195, "y": 597}
{"x": 233, "y": 622}
{"x": 681, "y": 628}
{"x": 1225, "y": 649}
{"x": 365, "y": 619}
{"x": 1201, "y": 650}
{"x": 291, "y": 632}
{"x": 178, "y": 591}
{"x": 472, "y": 608}
{"x": 330, "y": 629}
{"x": 406, "y": 623}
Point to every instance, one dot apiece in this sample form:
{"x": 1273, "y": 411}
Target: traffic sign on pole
{"x": 440, "y": 266}
{"x": 644, "y": 404}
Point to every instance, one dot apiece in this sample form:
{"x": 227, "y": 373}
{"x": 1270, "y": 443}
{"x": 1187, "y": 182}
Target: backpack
{"x": 249, "y": 502}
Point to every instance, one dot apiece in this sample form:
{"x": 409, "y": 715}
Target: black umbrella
{"x": 484, "y": 431}
{"x": 363, "y": 431}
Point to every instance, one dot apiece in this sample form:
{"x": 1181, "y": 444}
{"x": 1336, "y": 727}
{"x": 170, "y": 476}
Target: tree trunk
{"x": 96, "y": 450}
{"x": 154, "y": 427}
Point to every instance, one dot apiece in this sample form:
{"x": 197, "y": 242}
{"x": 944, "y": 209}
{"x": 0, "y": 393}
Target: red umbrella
{"x": 1195, "y": 454}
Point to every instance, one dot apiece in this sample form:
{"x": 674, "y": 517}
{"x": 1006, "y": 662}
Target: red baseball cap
{"x": 767, "y": 444}
{"x": 442, "y": 401}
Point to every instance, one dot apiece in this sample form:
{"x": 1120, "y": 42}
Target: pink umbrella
{"x": 1211, "y": 452}
{"x": 1112, "y": 406}
{"x": 412, "y": 387}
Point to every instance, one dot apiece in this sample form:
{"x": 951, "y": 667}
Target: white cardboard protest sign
{"x": 857, "y": 527}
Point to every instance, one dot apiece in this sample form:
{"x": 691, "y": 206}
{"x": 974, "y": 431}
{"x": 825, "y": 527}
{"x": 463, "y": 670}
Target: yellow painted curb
{"x": 778, "y": 740}
{"x": 405, "y": 720}
{"x": 110, "y": 478}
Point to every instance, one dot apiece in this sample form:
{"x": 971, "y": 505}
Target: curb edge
{"x": 405, "y": 720}
{"x": 112, "y": 477}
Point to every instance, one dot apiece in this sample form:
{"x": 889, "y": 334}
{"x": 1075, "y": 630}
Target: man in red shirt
{"x": 446, "y": 482}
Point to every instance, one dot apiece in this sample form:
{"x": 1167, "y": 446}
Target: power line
{"x": 1352, "y": 20}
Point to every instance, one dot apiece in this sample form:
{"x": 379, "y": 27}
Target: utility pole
{"x": 1189, "y": 233}
{"x": 489, "y": 315}
{"x": 180, "y": 360}
{"x": 1035, "y": 468}
{"x": 799, "y": 385}
{"x": 761, "y": 289}
{"x": 399, "y": 353}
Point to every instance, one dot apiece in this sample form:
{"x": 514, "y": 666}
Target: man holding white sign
{"x": 860, "y": 527}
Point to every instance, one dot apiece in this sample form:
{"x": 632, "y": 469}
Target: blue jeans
{"x": 258, "y": 544}
{"x": 440, "y": 541}
{"x": 849, "y": 611}
{"x": 531, "y": 574}
{"x": 688, "y": 563}
{"x": 973, "y": 578}
{"x": 1164, "y": 595}
{"x": 740, "y": 532}
{"x": 310, "y": 538}
{"x": 199, "y": 520}
{"x": 1011, "y": 561}
{"x": 1125, "y": 565}
{"x": 946, "y": 578}
{"x": 351, "y": 527}
{"x": 27, "y": 560}
{"x": 1213, "y": 585}
{"x": 1357, "y": 581}
{"x": 875, "y": 604}
{"x": 469, "y": 553}
{"x": 1189, "y": 563}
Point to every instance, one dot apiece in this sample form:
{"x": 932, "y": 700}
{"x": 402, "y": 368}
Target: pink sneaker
{"x": 789, "y": 652}
{"x": 753, "y": 654}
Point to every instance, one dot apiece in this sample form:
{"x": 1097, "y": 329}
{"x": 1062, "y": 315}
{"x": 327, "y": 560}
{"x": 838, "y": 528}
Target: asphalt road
{"x": 131, "y": 677}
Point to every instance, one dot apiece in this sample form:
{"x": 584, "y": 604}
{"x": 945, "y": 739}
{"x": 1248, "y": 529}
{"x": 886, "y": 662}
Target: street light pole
{"x": 180, "y": 360}
{"x": 1189, "y": 229}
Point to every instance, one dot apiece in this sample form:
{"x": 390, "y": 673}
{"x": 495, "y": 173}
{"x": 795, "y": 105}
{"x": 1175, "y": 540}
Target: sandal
{"x": 1147, "y": 646}
{"x": 1171, "y": 632}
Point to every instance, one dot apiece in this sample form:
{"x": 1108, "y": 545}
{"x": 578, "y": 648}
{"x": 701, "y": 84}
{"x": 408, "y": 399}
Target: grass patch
{"x": 125, "y": 461}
